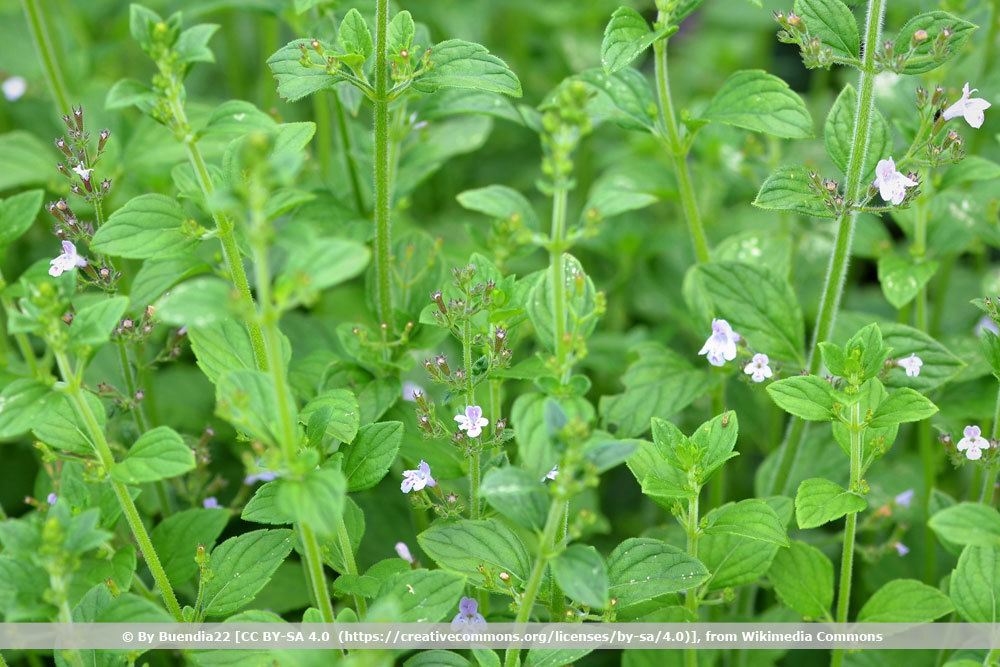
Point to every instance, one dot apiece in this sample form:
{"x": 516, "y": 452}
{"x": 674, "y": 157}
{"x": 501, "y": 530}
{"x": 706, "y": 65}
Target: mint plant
{"x": 330, "y": 312}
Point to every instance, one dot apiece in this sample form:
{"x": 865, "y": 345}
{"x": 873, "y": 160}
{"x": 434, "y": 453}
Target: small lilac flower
{"x": 721, "y": 345}
{"x": 986, "y": 323}
{"x": 971, "y": 108}
{"x": 973, "y": 443}
{"x": 911, "y": 365}
{"x": 14, "y": 88}
{"x": 472, "y": 422}
{"x": 411, "y": 390}
{"x": 416, "y": 480}
{"x": 262, "y": 475}
{"x": 52, "y": 498}
{"x": 67, "y": 261}
{"x": 82, "y": 171}
{"x": 891, "y": 183}
{"x": 758, "y": 368}
{"x": 468, "y": 614}
{"x": 552, "y": 474}
{"x": 905, "y": 498}
{"x": 403, "y": 552}
{"x": 210, "y": 503}
{"x": 901, "y": 549}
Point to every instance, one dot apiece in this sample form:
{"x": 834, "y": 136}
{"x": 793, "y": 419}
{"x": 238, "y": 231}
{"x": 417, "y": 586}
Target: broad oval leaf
{"x": 761, "y": 102}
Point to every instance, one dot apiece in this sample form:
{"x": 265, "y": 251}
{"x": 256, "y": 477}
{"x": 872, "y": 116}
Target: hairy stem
{"x": 313, "y": 561}
{"x": 678, "y": 152}
{"x": 344, "y": 539}
{"x": 75, "y": 393}
{"x": 990, "y": 476}
{"x": 558, "y": 277}
{"x": 42, "y": 36}
{"x": 383, "y": 190}
{"x": 691, "y": 595}
{"x": 833, "y": 286}
{"x": 850, "y": 527}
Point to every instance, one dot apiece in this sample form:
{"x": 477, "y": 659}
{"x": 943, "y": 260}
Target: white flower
{"x": 973, "y": 443}
{"x": 721, "y": 345}
{"x": 416, "y": 480}
{"x": 68, "y": 260}
{"x": 911, "y": 365}
{"x": 403, "y": 552}
{"x": 758, "y": 368}
{"x": 472, "y": 422}
{"x": 552, "y": 474}
{"x": 971, "y": 108}
{"x": 891, "y": 184}
{"x": 411, "y": 390}
{"x": 82, "y": 171}
{"x": 14, "y": 88}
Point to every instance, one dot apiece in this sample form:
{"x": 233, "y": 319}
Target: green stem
{"x": 314, "y": 571}
{"x": 691, "y": 595}
{"x": 546, "y": 544}
{"x": 470, "y": 399}
{"x": 42, "y": 36}
{"x": 850, "y": 527}
{"x": 558, "y": 268}
{"x": 678, "y": 153}
{"x": 990, "y": 476}
{"x": 103, "y": 450}
{"x": 383, "y": 190}
{"x": 347, "y": 149}
{"x": 717, "y": 490}
{"x": 347, "y": 550}
{"x": 833, "y": 286}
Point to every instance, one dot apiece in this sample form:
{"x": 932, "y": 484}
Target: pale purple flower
{"x": 14, "y": 88}
{"x": 971, "y": 108}
{"x": 758, "y": 368}
{"x": 472, "y": 422}
{"x": 210, "y": 503}
{"x": 905, "y": 498}
{"x": 985, "y": 323}
{"x": 411, "y": 390}
{"x": 901, "y": 549}
{"x": 552, "y": 474}
{"x": 67, "y": 261}
{"x": 52, "y": 498}
{"x": 911, "y": 365}
{"x": 973, "y": 443}
{"x": 891, "y": 183}
{"x": 82, "y": 171}
{"x": 262, "y": 475}
{"x": 468, "y": 614}
{"x": 721, "y": 345}
{"x": 416, "y": 480}
{"x": 403, "y": 552}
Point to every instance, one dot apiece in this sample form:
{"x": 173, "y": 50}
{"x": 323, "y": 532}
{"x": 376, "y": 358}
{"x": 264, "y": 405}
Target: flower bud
{"x": 919, "y": 36}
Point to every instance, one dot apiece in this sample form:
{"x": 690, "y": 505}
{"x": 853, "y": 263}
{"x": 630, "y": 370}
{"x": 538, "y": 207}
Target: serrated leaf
{"x": 626, "y": 36}
{"x": 975, "y": 584}
{"x": 465, "y": 546}
{"x": 802, "y": 577}
{"x": 833, "y": 23}
{"x": 368, "y": 458}
{"x": 805, "y": 396}
{"x": 500, "y": 202}
{"x": 517, "y": 495}
{"x": 354, "y": 36}
{"x": 456, "y": 63}
{"x": 343, "y": 414}
{"x": 296, "y": 81}
{"x": 905, "y": 601}
{"x": 580, "y": 573}
{"x": 761, "y": 102}
{"x": 819, "y": 501}
{"x": 902, "y": 406}
{"x": 158, "y": 454}
{"x": 401, "y": 32}
{"x": 967, "y": 524}
{"x": 241, "y": 567}
{"x": 752, "y": 518}
{"x": 838, "y": 133}
{"x": 641, "y": 568}
{"x": 248, "y": 401}
{"x": 789, "y": 189}
{"x": 150, "y": 225}
{"x": 923, "y": 57}
{"x": 423, "y": 596}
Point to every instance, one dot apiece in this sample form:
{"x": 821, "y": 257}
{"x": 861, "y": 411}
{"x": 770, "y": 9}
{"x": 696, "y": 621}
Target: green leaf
{"x": 333, "y": 550}
{"x": 247, "y": 400}
{"x": 241, "y": 567}
{"x": 737, "y": 561}
{"x": 833, "y": 23}
{"x": 752, "y": 518}
{"x": 902, "y": 406}
{"x": 535, "y": 447}
{"x": 967, "y": 524}
{"x": 580, "y": 572}
{"x": 401, "y": 32}
{"x": 500, "y": 202}
{"x": 641, "y": 569}
{"x": 156, "y": 276}
{"x": 761, "y": 102}
{"x": 158, "y": 454}
{"x": 147, "y": 226}
{"x": 221, "y": 346}
{"x": 838, "y": 133}
{"x": 659, "y": 383}
{"x": 789, "y": 189}
{"x": 316, "y": 500}
{"x": 368, "y": 458}
{"x": 238, "y": 117}
{"x": 715, "y": 440}
{"x": 126, "y": 93}
{"x": 354, "y": 36}
{"x": 819, "y": 501}
{"x": 902, "y": 279}
{"x": 905, "y": 601}
{"x": 768, "y": 316}
{"x": 296, "y": 81}
{"x": 802, "y": 577}
{"x": 581, "y": 302}
{"x": 805, "y": 396}
{"x": 322, "y": 264}
{"x": 177, "y": 537}
{"x": 58, "y": 425}
{"x": 24, "y": 160}
{"x": 422, "y": 596}
{"x": 623, "y": 98}
{"x": 192, "y": 44}
{"x": 263, "y": 506}
{"x": 923, "y": 57}
{"x": 626, "y": 36}
{"x": 456, "y": 63}
{"x": 92, "y": 325}
{"x": 343, "y": 414}
{"x": 480, "y": 550}
{"x": 517, "y": 495}
{"x": 975, "y": 584}
{"x": 17, "y": 213}
{"x": 971, "y": 169}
